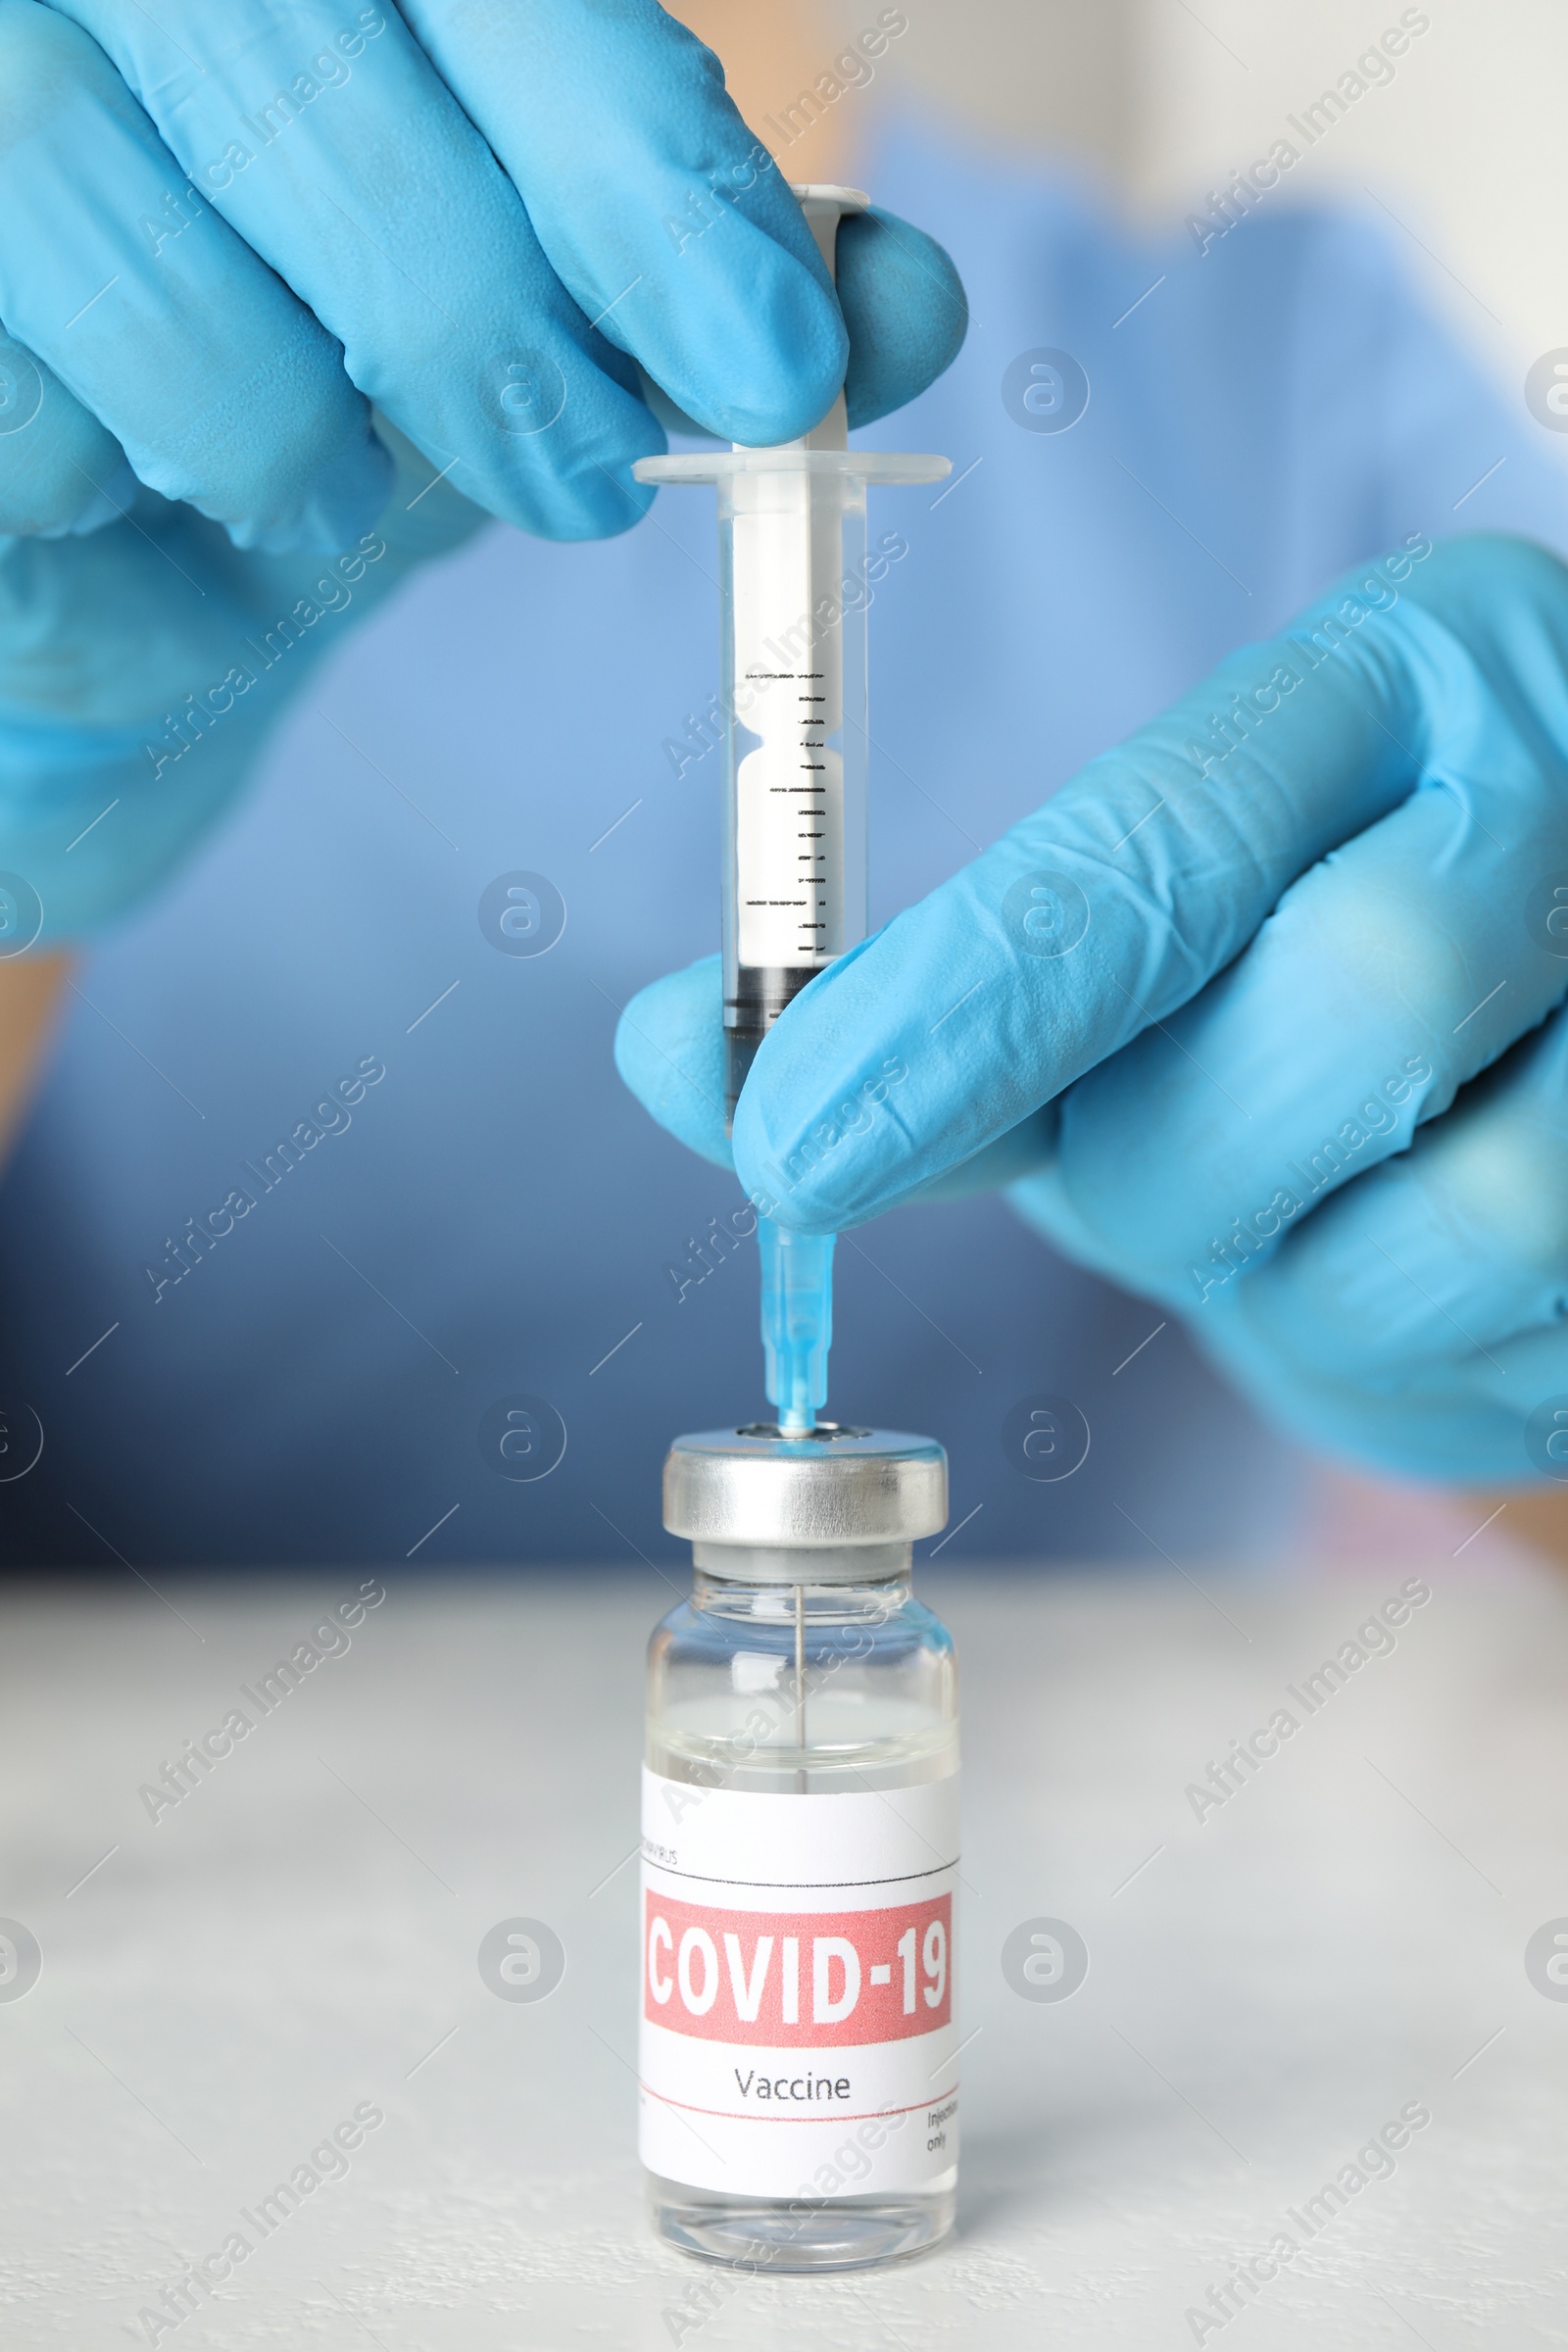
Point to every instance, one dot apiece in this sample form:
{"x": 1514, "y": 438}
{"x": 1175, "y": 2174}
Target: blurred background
{"x": 1159, "y": 100}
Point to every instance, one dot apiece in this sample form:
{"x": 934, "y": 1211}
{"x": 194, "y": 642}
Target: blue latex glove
{"x": 226, "y": 233}
{"x": 1257, "y": 1016}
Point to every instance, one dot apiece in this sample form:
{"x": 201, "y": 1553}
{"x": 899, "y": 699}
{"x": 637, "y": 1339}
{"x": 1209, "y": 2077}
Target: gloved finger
{"x": 1385, "y": 979}
{"x": 1440, "y": 1275}
{"x": 219, "y": 387}
{"x": 336, "y": 150}
{"x": 1114, "y": 904}
{"x": 1457, "y": 1245}
{"x": 1452, "y": 1417}
{"x": 669, "y": 1048}
{"x": 906, "y": 310}
{"x": 1479, "y": 1422}
{"x": 1013, "y": 1155}
{"x": 661, "y": 212}
{"x": 140, "y": 668}
{"x": 59, "y": 471}
{"x": 133, "y": 687}
{"x": 135, "y": 629}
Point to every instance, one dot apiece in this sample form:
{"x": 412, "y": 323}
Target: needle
{"x": 799, "y": 1689}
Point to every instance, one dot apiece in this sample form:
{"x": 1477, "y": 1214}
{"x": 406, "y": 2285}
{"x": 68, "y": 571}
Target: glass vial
{"x": 798, "y": 2030}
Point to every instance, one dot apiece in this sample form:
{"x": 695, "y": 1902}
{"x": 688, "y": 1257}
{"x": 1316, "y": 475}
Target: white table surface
{"x": 300, "y": 1933}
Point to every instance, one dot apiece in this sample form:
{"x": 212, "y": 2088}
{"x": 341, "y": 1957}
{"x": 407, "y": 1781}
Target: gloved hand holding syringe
{"x": 793, "y": 590}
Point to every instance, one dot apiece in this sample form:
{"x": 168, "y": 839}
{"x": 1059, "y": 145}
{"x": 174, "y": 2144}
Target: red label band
{"x": 810, "y": 1980}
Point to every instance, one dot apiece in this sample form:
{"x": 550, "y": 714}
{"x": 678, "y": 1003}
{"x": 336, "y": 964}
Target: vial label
{"x": 799, "y": 2035}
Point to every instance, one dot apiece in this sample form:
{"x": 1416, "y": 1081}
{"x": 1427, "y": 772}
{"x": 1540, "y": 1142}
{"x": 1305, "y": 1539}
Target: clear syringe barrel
{"x": 794, "y": 592}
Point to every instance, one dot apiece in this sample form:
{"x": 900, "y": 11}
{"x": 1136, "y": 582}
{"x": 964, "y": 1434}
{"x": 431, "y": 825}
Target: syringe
{"x": 794, "y": 585}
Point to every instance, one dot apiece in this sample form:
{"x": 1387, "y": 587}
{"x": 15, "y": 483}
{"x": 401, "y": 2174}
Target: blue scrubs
{"x": 473, "y": 1212}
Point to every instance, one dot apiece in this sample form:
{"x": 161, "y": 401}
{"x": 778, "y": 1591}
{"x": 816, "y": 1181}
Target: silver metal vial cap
{"x": 839, "y": 1491}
